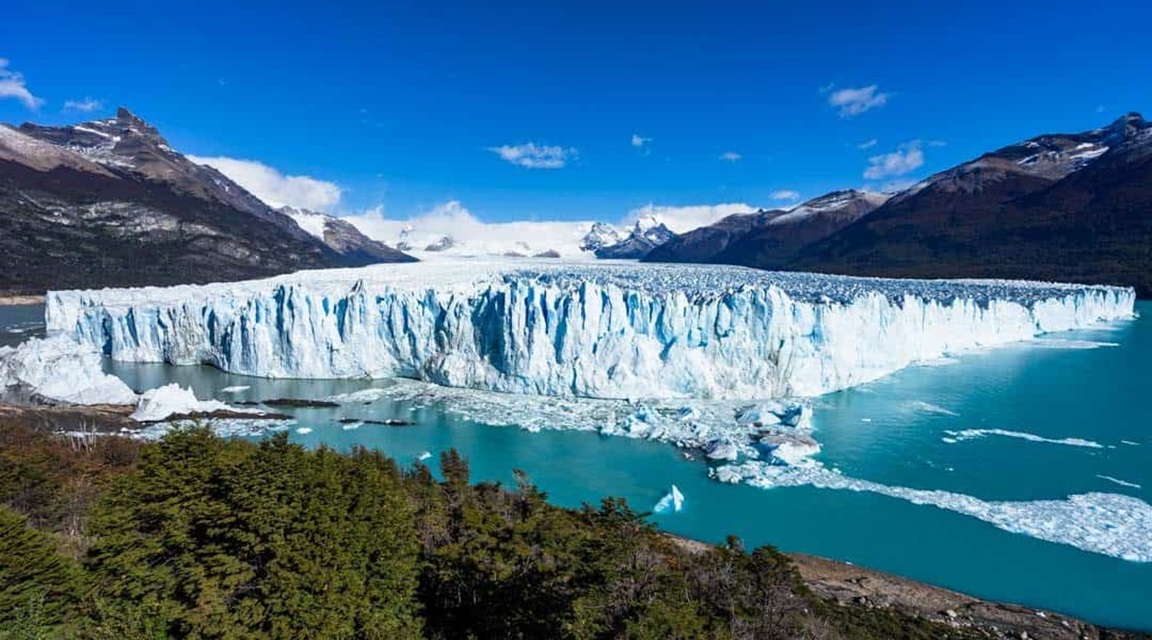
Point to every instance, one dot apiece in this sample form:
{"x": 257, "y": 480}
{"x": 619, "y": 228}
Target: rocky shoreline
{"x": 15, "y": 301}
{"x": 852, "y": 586}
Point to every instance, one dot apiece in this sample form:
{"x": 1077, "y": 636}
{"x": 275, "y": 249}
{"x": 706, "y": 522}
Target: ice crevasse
{"x": 604, "y": 330}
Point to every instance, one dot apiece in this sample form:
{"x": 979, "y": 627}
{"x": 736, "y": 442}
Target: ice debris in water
{"x": 604, "y": 330}
{"x": 1106, "y": 523}
{"x": 172, "y": 399}
{"x": 710, "y": 426}
{"x": 58, "y": 369}
{"x": 673, "y": 500}
{"x": 971, "y": 434}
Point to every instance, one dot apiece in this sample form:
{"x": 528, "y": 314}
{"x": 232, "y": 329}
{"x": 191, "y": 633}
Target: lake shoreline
{"x": 20, "y": 301}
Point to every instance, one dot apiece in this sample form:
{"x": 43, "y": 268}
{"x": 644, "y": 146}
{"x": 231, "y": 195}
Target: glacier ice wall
{"x": 595, "y": 330}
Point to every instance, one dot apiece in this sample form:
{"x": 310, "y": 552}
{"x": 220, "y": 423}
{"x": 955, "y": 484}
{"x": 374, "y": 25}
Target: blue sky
{"x": 406, "y": 105}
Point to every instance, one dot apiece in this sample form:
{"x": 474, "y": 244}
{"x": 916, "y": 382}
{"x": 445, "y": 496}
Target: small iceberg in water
{"x": 673, "y": 500}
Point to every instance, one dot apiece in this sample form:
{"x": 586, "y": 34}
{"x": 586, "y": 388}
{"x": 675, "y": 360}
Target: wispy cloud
{"x": 785, "y": 194}
{"x": 730, "y": 156}
{"x": 12, "y": 86}
{"x": 853, "y": 102}
{"x": 639, "y": 141}
{"x": 867, "y": 144}
{"x": 534, "y": 156}
{"x": 905, "y": 159}
{"x": 275, "y": 188}
{"x": 87, "y": 105}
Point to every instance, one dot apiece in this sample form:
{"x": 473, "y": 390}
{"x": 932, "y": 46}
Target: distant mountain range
{"x": 110, "y": 203}
{"x": 1066, "y": 207}
{"x": 605, "y": 241}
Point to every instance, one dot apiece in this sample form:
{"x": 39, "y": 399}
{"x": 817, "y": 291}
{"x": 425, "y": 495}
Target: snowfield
{"x": 599, "y": 330}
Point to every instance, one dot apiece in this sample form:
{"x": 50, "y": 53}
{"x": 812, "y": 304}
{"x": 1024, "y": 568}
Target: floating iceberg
{"x": 674, "y": 500}
{"x": 173, "y": 400}
{"x": 602, "y": 330}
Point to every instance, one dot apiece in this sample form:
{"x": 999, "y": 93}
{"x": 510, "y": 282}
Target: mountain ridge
{"x": 1059, "y": 206}
{"x": 109, "y": 203}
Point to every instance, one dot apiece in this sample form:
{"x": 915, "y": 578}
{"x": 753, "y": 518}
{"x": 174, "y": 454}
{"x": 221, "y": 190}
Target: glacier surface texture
{"x": 600, "y": 330}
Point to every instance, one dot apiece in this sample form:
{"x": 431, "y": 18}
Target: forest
{"x": 197, "y": 536}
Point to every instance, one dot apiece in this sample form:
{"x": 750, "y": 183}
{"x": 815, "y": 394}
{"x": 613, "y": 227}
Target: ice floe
{"x": 673, "y": 500}
{"x": 1106, "y": 523}
{"x": 972, "y": 434}
{"x": 1122, "y": 483}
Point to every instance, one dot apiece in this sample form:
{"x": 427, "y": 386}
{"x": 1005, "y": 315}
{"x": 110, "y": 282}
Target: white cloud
{"x": 87, "y": 105}
{"x": 905, "y": 159}
{"x": 275, "y": 188}
{"x": 472, "y": 235}
{"x": 785, "y": 194}
{"x": 730, "y": 156}
{"x": 687, "y": 218}
{"x": 12, "y": 86}
{"x": 853, "y": 102}
{"x": 867, "y": 144}
{"x": 534, "y": 156}
{"x": 638, "y": 141}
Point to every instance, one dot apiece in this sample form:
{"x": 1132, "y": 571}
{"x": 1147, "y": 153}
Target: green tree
{"x": 37, "y": 584}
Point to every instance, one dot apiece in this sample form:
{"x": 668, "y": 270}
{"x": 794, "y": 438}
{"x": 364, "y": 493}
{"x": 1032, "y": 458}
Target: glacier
{"x": 613, "y": 330}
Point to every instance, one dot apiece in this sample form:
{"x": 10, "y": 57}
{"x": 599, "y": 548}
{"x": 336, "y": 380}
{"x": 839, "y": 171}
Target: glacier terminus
{"x": 598, "y": 330}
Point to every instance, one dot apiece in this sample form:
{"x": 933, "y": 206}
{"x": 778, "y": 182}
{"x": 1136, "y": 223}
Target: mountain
{"x": 110, "y": 203}
{"x": 600, "y": 236}
{"x": 769, "y": 238}
{"x": 1068, "y": 207}
{"x": 647, "y": 234}
{"x": 343, "y": 238}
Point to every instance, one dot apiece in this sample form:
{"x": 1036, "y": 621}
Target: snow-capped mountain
{"x": 1065, "y": 206}
{"x": 1040, "y": 160}
{"x": 770, "y": 237}
{"x": 342, "y": 237}
{"x": 602, "y": 235}
{"x": 1055, "y": 207}
{"x": 647, "y": 233}
{"x": 109, "y": 202}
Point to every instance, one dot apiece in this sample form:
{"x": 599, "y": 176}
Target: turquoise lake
{"x": 1089, "y": 385}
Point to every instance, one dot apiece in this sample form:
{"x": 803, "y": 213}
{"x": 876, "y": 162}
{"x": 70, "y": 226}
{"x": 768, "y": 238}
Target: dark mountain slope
{"x": 109, "y": 203}
{"x": 704, "y": 244}
{"x": 769, "y": 239}
{"x": 1083, "y": 214}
